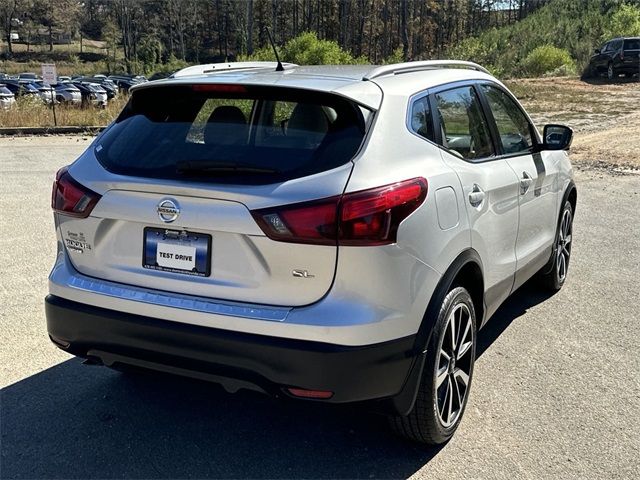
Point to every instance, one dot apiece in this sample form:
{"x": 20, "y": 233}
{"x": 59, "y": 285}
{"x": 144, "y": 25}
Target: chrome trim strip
{"x": 65, "y": 275}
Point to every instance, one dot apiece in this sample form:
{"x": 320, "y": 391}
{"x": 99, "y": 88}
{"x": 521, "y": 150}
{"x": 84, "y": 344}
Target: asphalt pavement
{"x": 556, "y": 392}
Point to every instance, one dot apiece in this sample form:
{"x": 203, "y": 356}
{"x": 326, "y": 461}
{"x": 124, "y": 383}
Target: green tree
{"x": 307, "y": 49}
{"x": 61, "y": 15}
{"x": 623, "y": 23}
{"x": 547, "y": 59}
{"x": 10, "y": 10}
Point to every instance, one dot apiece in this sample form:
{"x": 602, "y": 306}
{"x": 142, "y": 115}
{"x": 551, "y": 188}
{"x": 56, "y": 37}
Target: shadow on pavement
{"x": 514, "y": 307}
{"x": 601, "y": 80}
{"x": 75, "y": 421}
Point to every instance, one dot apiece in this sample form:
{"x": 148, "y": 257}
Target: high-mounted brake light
{"x": 368, "y": 217}
{"x": 71, "y": 198}
{"x": 220, "y": 88}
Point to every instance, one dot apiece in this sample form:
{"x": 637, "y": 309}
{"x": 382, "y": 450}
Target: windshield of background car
{"x": 231, "y": 134}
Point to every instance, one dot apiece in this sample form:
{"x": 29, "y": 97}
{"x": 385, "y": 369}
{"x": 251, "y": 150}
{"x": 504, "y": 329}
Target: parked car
{"x": 620, "y": 56}
{"x": 47, "y": 92}
{"x": 20, "y": 89}
{"x": 63, "y": 79}
{"x": 110, "y": 87}
{"x": 160, "y": 76}
{"x": 92, "y": 94}
{"x": 335, "y": 234}
{"x": 68, "y": 93}
{"x": 29, "y": 76}
{"x": 7, "y": 98}
{"x": 125, "y": 82}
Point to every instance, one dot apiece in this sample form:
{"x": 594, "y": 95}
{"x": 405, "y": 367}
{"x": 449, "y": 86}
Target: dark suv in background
{"x": 616, "y": 57}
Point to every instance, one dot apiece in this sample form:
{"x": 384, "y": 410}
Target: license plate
{"x": 177, "y": 251}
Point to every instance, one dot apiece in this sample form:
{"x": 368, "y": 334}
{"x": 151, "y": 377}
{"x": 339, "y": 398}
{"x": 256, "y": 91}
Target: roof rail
{"x": 407, "y": 67}
{"x": 226, "y": 67}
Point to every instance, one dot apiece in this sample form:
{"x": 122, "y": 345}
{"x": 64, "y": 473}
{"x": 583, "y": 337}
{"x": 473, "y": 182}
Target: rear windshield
{"x": 632, "y": 44}
{"x": 231, "y": 134}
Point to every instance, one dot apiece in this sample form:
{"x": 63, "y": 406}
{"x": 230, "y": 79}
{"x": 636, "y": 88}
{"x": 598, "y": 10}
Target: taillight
{"x": 309, "y": 222}
{"x": 368, "y": 217}
{"x": 71, "y": 198}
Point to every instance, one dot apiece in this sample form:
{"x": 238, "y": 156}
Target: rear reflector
{"x": 317, "y": 394}
{"x": 71, "y": 198}
{"x": 369, "y": 217}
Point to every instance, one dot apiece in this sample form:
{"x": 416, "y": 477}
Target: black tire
{"x": 611, "y": 72}
{"x": 554, "y": 274}
{"x": 424, "y": 423}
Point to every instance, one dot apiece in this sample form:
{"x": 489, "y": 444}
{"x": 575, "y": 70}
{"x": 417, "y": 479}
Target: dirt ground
{"x": 604, "y": 116}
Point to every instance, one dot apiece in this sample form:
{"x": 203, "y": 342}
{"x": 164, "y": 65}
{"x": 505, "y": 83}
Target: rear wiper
{"x": 220, "y": 167}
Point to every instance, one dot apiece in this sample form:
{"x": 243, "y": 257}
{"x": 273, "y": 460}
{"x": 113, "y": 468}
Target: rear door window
{"x": 463, "y": 126}
{"x": 632, "y": 44}
{"x": 231, "y": 134}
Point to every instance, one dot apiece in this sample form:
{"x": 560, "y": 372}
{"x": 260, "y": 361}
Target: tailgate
{"x": 179, "y": 179}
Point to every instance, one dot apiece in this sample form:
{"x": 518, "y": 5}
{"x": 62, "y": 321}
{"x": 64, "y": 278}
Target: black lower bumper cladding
{"x": 236, "y": 360}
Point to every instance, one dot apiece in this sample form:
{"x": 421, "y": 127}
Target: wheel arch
{"x": 571, "y": 194}
{"x": 464, "y": 271}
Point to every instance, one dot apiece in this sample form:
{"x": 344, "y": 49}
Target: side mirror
{"x": 557, "y": 137}
{"x": 597, "y": 51}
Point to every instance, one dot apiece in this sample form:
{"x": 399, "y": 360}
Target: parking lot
{"x": 556, "y": 390}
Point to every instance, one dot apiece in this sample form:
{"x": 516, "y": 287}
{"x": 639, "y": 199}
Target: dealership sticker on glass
{"x": 177, "y": 251}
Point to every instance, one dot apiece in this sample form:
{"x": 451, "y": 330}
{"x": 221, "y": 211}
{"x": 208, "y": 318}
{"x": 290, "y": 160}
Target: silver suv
{"x": 336, "y": 234}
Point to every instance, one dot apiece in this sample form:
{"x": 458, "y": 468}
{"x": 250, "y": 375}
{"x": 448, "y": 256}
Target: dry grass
{"x": 604, "y": 116}
{"x": 31, "y": 112}
{"x": 62, "y": 67}
{"x": 581, "y": 105}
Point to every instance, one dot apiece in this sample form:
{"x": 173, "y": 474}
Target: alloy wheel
{"x": 610, "y": 72}
{"x": 453, "y": 369}
{"x": 563, "y": 248}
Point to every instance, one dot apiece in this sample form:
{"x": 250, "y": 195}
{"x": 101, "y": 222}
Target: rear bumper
{"x": 233, "y": 359}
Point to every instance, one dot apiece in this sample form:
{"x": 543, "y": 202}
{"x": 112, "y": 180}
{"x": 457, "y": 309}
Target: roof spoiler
{"x": 227, "y": 67}
{"x": 420, "y": 66}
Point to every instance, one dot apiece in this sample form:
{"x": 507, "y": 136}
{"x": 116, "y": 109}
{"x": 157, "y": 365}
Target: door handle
{"x": 525, "y": 183}
{"x": 476, "y": 196}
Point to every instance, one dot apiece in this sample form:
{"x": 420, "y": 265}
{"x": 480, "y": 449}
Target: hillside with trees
{"x": 512, "y": 37}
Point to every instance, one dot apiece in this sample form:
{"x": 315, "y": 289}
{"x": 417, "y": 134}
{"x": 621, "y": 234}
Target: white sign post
{"x": 49, "y": 75}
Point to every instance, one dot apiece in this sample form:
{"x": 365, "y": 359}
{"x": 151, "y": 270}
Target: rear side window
{"x": 464, "y": 129}
{"x": 514, "y": 128}
{"x": 231, "y": 134}
{"x": 421, "y": 120}
{"x": 632, "y": 44}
